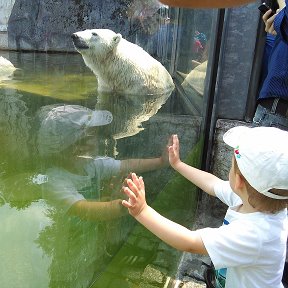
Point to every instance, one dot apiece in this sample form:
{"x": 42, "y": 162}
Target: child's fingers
{"x": 131, "y": 194}
{"x": 141, "y": 182}
{"x": 172, "y": 152}
{"x": 133, "y": 186}
{"x": 176, "y": 142}
{"x": 129, "y": 176}
{"x": 174, "y": 148}
{"x": 138, "y": 181}
{"x": 176, "y": 139}
{"x": 135, "y": 179}
{"x": 126, "y": 204}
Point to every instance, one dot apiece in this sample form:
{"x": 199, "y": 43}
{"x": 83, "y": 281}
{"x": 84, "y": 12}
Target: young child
{"x": 251, "y": 244}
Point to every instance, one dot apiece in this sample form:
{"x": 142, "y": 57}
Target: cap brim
{"x": 232, "y": 136}
{"x": 99, "y": 118}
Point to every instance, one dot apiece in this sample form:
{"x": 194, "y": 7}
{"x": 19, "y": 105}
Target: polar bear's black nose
{"x": 79, "y": 42}
{"x": 74, "y": 36}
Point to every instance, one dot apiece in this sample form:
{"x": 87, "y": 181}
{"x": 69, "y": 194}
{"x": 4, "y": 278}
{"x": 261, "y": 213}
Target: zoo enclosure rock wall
{"x": 47, "y": 25}
{"x": 5, "y": 11}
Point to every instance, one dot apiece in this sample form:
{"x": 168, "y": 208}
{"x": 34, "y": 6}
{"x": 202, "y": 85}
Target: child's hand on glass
{"x": 165, "y": 156}
{"x": 174, "y": 151}
{"x": 134, "y": 188}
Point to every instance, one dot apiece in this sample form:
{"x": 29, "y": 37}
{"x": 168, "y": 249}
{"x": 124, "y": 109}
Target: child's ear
{"x": 239, "y": 181}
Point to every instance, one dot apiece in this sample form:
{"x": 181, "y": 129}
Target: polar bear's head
{"x": 97, "y": 42}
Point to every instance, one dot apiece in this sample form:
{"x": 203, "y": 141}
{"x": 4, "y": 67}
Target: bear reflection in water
{"x": 130, "y": 111}
{"x": 121, "y": 66}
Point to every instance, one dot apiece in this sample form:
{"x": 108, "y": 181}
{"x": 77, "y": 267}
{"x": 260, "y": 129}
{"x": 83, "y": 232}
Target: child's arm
{"x": 170, "y": 232}
{"x": 141, "y": 165}
{"x": 145, "y": 165}
{"x": 204, "y": 180}
{"x": 97, "y": 211}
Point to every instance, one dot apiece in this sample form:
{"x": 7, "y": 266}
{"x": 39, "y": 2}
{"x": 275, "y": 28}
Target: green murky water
{"x": 43, "y": 245}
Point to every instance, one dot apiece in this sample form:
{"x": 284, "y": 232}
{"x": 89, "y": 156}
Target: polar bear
{"x": 119, "y": 65}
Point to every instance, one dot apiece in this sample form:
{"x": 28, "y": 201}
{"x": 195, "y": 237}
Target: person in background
{"x": 272, "y": 108}
{"x": 272, "y": 103}
{"x": 269, "y": 43}
{"x": 250, "y": 246}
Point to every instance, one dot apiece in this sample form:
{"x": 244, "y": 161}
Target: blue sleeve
{"x": 281, "y": 23}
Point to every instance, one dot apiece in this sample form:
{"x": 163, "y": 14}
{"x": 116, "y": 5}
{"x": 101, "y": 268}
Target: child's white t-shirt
{"x": 251, "y": 246}
{"x": 63, "y": 188}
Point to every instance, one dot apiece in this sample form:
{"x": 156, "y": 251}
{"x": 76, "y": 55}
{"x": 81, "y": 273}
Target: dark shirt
{"x": 276, "y": 81}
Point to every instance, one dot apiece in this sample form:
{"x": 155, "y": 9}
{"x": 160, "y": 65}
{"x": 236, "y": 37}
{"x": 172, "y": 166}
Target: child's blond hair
{"x": 261, "y": 202}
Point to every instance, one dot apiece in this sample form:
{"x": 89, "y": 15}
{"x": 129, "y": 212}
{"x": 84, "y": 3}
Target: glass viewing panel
{"x": 66, "y": 147}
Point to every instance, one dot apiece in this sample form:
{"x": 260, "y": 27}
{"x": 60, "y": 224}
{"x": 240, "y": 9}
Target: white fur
{"x": 6, "y": 69}
{"x": 122, "y": 66}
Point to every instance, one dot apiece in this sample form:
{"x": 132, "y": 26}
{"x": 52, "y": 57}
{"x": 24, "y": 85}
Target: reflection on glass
{"x": 61, "y": 176}
{"x": 149, "y": 26}
{"x": 127, "y": 121}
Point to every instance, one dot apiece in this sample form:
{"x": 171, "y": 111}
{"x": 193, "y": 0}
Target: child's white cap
{"x": 61, "y": 126}
{"x": 262, "y": 157}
